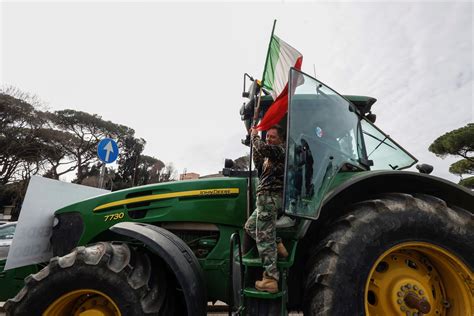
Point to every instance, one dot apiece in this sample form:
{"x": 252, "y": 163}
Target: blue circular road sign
{"x": 107, "y": 150}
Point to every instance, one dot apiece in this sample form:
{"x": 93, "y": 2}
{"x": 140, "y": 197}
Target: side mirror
{"x": 371, "y": 117}
{"x": 252, "y": 91}
{"x": 245, "y": 93}
{"x": 228, "y": 163}
{"x": 424, "y": 168}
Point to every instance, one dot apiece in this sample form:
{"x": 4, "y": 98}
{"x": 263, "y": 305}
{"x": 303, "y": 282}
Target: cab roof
{"x": 362, "y": 103}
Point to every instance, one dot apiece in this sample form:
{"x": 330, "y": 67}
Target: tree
{"x": 16, "y": 121}
{"x": 13, "y": 194}
{"x": 468, "y": 182}
{"x": 461, "y": 167}
{"x": 148, "y": 170}
{"x": 93, "y": 177}
{"x": 129, "y": 160}
{"x": 459, "y": 142}
{"x": 242, "y": 163}
{"x": 53, "y": 144}
{"x": 27, "y": 145}
{"x": 86, "y": 130}
{"x": 56, "y": 155}
{"x": 138, "y": 170}
{"x": 168, "y": 173}
{"x": 29, "y": 98}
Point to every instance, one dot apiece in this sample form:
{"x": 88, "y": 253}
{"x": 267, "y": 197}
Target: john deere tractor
{"x": 368, "y": 238}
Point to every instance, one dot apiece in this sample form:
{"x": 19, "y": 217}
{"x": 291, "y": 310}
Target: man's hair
{"x": 280, "y": 131}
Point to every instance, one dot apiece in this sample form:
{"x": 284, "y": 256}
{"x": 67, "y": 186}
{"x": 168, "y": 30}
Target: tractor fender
{"x": 368, "y": 184}
{"x": 405, "y": 182}
{"x": 177, "y": 255}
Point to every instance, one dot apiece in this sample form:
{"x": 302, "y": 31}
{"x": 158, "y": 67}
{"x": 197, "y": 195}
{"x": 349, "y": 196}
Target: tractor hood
{"x": 217, "y": 201}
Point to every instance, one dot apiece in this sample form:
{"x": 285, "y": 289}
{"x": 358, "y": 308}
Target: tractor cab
{"x": 327, "y": 134}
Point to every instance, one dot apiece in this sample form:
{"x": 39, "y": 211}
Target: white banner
{"x": 43, "y": 197}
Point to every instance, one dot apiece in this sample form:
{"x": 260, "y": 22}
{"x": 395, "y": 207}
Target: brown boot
{"x": 281, "y": 250}
{"x": 268, "y": 284}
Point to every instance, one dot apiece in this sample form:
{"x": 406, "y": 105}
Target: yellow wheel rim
{"x": 418, "y": 278}
{"x": 84, "y": 302}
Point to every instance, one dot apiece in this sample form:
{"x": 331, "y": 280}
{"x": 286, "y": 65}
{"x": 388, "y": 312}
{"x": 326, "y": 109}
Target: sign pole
{"x": 102, "y": 176}
{"x": 107, "y": 151}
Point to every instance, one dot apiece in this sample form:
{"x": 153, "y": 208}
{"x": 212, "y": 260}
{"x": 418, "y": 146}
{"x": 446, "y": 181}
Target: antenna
{"x": 314, "y": 69}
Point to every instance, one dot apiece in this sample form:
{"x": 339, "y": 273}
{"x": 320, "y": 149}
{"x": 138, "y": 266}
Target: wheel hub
{"x": 405, "y": 281}
{"x": 414, "y": 301}
{"x": 94, "y": 305}
{"x": 84, "y": 302}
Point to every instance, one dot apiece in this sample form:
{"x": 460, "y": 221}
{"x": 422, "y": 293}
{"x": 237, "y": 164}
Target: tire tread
{"x": 116, "y": 257}
{"x": 362, "y": 219}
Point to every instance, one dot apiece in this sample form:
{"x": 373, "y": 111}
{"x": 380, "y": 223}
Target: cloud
{"x": 173, "y": 71}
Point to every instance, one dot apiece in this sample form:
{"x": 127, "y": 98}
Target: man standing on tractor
{"x": 269, "y": 157}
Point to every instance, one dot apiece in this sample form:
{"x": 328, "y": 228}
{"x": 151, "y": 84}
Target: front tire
{"x": 107, "y": 278}
{"x": 398, "y": 255}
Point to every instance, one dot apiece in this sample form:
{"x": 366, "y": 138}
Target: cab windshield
{"x": 383, "y": 151}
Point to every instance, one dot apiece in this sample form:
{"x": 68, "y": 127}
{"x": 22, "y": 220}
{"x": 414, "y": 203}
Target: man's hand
{"x": 253, "y": 131}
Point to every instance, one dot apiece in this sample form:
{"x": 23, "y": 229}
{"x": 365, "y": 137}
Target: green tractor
{"x": 368, "y": 238}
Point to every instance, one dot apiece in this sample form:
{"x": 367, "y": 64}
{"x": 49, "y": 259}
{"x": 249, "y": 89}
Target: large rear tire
{"x": 398, "y": 255}
{"x": 106, "y": 278}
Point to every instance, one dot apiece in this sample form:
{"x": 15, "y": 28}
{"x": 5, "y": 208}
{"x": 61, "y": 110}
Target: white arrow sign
{"x": 109, "y": 150}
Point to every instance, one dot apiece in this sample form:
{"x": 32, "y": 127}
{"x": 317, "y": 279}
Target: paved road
{"x": 2, "y": 313}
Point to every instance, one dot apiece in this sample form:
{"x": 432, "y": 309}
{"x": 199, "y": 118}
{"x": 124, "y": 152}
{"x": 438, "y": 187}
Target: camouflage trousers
{"x": 261, "y": 226}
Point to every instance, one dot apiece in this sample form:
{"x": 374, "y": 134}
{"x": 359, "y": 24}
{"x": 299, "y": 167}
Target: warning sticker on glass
{"x": 319, "y": 132}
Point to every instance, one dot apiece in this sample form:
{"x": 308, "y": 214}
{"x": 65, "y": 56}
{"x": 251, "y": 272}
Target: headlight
{"x": 67, "y": 231}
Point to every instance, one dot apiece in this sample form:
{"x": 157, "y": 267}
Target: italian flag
{"x": 281, "y": 57}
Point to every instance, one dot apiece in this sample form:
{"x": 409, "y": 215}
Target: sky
{"x": 174, "y": 71}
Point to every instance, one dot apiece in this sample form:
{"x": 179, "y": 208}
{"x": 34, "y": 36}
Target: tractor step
{"x": 257, "y": 262}
{"x": 252, "y": 259}
{"x": 252, "y": 292}
{"x": 256, "y": 302}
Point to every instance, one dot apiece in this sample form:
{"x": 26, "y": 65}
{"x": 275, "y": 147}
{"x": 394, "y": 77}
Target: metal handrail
{"x": 234, "y": 237}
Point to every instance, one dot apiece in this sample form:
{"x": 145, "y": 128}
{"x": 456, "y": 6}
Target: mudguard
{"x": 177, "y": 255}
{"x": 359, "y": 187}
{"x": 367, "y": 184}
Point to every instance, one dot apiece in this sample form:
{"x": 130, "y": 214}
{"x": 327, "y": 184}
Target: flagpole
{"x": 257, "y": 109}
{"x": 247, "y": 241}
{"x": 254, "y": 122}
{"x": 268, "y": 51}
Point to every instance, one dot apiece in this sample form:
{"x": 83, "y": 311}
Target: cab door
{"x": 322, "y": 137}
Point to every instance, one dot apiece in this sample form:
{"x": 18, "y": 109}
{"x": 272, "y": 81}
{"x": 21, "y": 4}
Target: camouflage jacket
{"x": 271, "y": 160}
